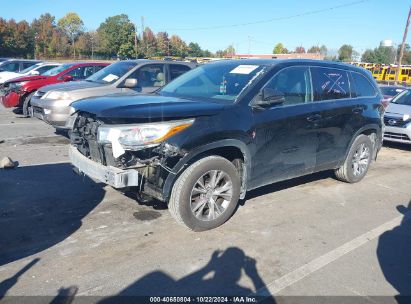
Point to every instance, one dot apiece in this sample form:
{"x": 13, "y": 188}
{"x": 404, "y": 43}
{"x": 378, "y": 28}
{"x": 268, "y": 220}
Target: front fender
{"x": 193, "y": 154}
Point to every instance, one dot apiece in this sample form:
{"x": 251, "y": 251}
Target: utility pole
{"x": 142, "y": 36}
{"x": 397, "y": 75}
{"x": 135, "y": 40}
{"x": 92, "y": 45}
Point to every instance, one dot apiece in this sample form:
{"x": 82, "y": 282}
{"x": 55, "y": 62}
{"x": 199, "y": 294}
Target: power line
{"x": 270, "y": 20}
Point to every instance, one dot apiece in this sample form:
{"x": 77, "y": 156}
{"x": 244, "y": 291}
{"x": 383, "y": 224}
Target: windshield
{"x": 113, "y": 72}
{"x": 403, "y": 98}
{"x": 391, "y": 91}
{"x": 221, "y": 81}
{"x": 58, "y": 70}
{"x": 29, "y": 68}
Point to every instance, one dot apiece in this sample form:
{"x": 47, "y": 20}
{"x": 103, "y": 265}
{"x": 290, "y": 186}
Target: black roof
{"x": 273, "y": 62}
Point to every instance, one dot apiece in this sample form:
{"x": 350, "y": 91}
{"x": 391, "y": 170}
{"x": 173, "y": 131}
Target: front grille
{"x": 399, "y": 136}
{"x": 395, "y": 122}
{"x": 84, "y": 137}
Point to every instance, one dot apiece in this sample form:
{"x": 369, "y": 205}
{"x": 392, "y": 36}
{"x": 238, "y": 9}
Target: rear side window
{"x": 330, "y": 84}
{"x": 362, "y": 86}
{"x": 27, "y": 64}
{"x": 177, "y": 70}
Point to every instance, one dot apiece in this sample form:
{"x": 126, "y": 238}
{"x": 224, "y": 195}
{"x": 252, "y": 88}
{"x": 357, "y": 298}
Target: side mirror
{"x": 270, "y": 97}
{"x": 34, "y": 73}
{"x": 130, "y": 83}
{"x": 67, "y": 78}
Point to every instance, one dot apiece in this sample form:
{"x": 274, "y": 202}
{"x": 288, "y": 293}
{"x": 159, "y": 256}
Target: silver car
{"x": 52, "y": 103}
{"x": 397, "y": 118}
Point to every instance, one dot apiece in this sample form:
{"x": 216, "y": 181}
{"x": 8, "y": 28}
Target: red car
{"x": 18, "y": 91}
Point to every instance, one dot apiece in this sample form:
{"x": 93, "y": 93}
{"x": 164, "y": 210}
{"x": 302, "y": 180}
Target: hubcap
{"x": 360, "y": 160}
{"x": 211, "y": 195}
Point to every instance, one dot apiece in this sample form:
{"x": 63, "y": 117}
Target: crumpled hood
{"x": 27, "y": 78}
{"x": 71, "y": 86}
{"x": 146, "y": 107}
{"x": 398, "y": 109}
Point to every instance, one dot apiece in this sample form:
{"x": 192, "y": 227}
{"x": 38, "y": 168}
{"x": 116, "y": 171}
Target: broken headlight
{"x": 137, "y": 137}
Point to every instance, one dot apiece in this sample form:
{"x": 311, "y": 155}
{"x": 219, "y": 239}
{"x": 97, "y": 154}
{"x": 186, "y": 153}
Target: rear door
{"x": 336, "y": 110}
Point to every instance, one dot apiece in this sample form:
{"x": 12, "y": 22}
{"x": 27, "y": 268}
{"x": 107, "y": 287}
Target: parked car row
{"x": 199, "y": 138}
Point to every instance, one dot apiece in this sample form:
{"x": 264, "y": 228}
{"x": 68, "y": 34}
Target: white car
{"x": 36, "y": 69}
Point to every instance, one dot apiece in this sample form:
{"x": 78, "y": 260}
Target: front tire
{"x": 26, "y": 105}
{"x": 206, "y": 194}
{"x": 358, "y": 160}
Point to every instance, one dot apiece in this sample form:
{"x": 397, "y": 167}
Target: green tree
{"x": 115, "y": 33}
{"x": 178, "y": 47}
{"x": 16, "y": 39}
{"x": 278, "y": 49}
{"x": 406, "y": 59}
{"x": 163, "y": 44}
{"x": 345, "y": 53}
{"x": 43, "y": 28}
{"x": 194, "y": 50}
{"x": 323, "y": 51}
{"x": 149, "y": 43}
{"x": 381, "y": 54}
{"x": 71, "y": 25}
{"x": 299, "y": 50}
{"x": 314, "y": 49}
{"x": 230, "y": 50}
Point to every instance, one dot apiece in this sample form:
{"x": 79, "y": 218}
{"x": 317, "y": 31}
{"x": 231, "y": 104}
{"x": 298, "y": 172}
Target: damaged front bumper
{"x": 112, "y": 176}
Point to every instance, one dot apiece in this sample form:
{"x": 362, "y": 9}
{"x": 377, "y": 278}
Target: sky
{"x": 254, "y": 26}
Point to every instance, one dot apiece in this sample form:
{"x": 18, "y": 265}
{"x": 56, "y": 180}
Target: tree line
{"x": 46, "y": 37}
{"x": 117, "y": 37}
{"x": 346, "y": 53}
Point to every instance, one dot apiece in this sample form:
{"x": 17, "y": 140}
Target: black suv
{"x": 224, "y": 128}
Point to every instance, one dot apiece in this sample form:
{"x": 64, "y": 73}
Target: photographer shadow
{"x": 394, "y": 255}
{"x": 219, "y": 277}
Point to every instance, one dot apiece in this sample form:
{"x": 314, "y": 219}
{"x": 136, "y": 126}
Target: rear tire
{"x": 206, "y": 194}
{"x": 27, "y": 104}
{"x": 358, "y": 160}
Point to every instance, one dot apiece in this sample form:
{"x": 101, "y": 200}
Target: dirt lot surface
{"x": 64, "y": 234}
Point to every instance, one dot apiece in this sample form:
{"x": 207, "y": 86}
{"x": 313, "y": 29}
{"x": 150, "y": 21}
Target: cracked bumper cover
{"x": 112, "y": 176}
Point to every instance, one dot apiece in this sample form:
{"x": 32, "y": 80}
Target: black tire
{"x": 347, "y": 172}
{"x": 180, "y": 200}
{"x": 26, "y": 105}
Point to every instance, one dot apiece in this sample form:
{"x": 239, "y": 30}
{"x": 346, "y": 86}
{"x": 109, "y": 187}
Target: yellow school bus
{"x": 379, "y": 72}
{"x": 405, "y": 75}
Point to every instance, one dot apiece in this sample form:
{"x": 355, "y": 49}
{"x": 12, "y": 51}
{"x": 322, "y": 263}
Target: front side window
{"x": 293, "y": 83}
{"x": 150, "y": 75}
{"x": 217, "y": 81}
{"x": 77, "y": 73}
{"x": 330, "y": 83}
{"x": 403, "y": 98}
{"x": 45, "y": 68}
{"x": 363, "y": 87}
{"x": 58, "y": 69}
